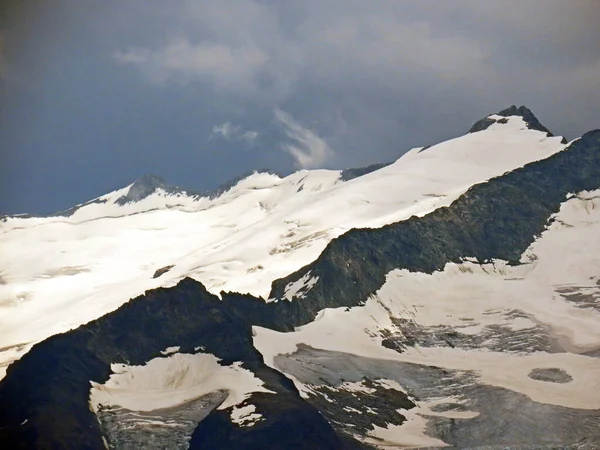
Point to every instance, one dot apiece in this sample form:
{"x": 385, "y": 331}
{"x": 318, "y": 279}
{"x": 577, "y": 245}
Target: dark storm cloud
{"x": 138, "y": 86}
{"x": 413, "y": 61}
{"x": 3, "y": 68}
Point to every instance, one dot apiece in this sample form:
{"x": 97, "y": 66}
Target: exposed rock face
{"x": 479, "y": 414}
{"x": 139, "y": 190}
{"x": 349, "y": 174}
{"x": 162, "y": 271}
{"x": 347, "y": 389}
{"x": 288, "y": 426}
{"x": 49, "y": 388}
{"x": 522, "y": 111}
{"x": 532, "y": 122}
{"x": 159, "y": 429}
{"x": 494, "y": 220}
{"x": 482, "y": 124}
{"x": 551, "y": 375}
{"x": 146, "y": 186}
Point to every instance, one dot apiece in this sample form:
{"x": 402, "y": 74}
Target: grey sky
{"x": 95, "y": 94}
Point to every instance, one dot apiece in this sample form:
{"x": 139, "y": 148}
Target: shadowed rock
{"x": 349, "y": 174}
{"x": 551, "y": 375}
{"x": 162, "y": 271}
{"x": 522, "y": 111}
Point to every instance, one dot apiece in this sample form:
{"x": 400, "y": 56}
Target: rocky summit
{"x": 450, "y": 299}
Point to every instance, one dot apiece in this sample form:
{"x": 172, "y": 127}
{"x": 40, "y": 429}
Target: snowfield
{"x": 173, "y": 380}
{"x": 57, "y": 273}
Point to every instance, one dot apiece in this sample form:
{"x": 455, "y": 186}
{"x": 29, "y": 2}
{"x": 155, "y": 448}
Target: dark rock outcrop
{"x": 482, "y": 124}
{"x": 162, "y": 271}
{"x": 349, "y": 174}
{"x": 522, "y": 111}
{"x": 550, "y": 375}
{"x": 44, "y": 399}
{"x": 148, "y": 185}
{"x": 287, "y": 427}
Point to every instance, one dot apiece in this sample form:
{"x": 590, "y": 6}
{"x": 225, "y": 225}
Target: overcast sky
{"x": 94, "y": 94}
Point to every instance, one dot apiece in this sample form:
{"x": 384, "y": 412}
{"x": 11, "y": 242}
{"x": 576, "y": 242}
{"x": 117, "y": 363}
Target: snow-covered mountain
{"x": 62, "y": 271}
{"x": 402, "y": 300}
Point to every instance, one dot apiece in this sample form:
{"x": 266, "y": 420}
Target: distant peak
{"x": 231, "y": 183}
{"x": 513, "y": 110}
{"x": 150, "y": 180}
{"x": 142, "y": 188}
{"x": 522, "y": 111}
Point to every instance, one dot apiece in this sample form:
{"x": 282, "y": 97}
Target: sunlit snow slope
{"x": 61, "y": 271}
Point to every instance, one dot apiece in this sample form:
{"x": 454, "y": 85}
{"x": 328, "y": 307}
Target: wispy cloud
{"x": 249, "y": 136}
{"x": 308, "y": 150}
{"x": 231, "y": 132}
{"x": 227, "y": 131}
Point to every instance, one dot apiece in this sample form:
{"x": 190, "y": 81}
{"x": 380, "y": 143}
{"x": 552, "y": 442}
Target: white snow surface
{"x": 171, "y": 381}
{"x": 299, "y": 289}
{"x": 245, "y": 416}
{"x": 564, "y": 261}
{"x": 57, "y": 273}
{"x": 170, "y": 350}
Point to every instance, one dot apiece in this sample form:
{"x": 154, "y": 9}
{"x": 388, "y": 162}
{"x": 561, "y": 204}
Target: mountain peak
{"x": 522, "y": 111}
{"x": 513, "y": 110}
{"x": 150, "y": 180}
{"x": 143, "y": 187}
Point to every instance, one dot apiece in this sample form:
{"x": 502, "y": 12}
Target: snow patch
{"x": 170, "y": 350}
{"x": 351, "y": 409}
{"x": 245, "y": 416}
{"x": 171, "y": 381}
{"x": 299, "y": 288}
{"x": 356, "y": 387}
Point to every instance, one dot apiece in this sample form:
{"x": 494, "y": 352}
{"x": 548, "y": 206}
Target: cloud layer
{"x": 384, "y": 67}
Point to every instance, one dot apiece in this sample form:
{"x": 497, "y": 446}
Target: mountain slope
{"x": 475, "y": 325}
{"x": 138, "y": 332}
{"x": 59, "y": 272}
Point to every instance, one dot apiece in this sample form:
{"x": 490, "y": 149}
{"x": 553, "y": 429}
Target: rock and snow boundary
{"x": 173, "y": 380}
{"x": 501, "y": 323}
